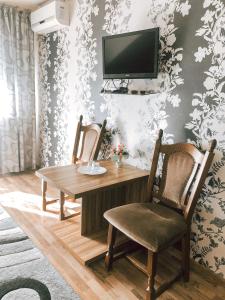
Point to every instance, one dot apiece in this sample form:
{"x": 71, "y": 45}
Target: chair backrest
{"x": 87, "y": 141}
{"x": 183, "y": 172}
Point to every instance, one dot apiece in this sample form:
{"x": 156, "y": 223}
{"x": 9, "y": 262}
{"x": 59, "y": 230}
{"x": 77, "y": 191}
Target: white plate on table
{"x": 88, "y": 170}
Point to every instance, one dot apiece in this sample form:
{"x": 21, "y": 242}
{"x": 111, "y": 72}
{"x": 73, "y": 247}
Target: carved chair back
{"x": 87, "y": 141}
{"x": 183, "y": 172}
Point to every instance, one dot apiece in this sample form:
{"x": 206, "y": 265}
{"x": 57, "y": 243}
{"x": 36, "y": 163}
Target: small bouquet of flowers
{"x": 118, "y": 153}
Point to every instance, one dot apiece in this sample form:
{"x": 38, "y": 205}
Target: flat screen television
{"x": 131, "y": 55}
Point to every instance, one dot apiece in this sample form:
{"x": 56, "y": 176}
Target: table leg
{"x": 61, "y": 203}
{"x": 43, "y": 192}
{"x": 96, "y": 203}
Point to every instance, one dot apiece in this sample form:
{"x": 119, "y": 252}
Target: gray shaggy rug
{"x": 25, "y": 274}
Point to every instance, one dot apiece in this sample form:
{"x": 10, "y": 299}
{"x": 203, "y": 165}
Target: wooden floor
{"x": 20, "y": 195}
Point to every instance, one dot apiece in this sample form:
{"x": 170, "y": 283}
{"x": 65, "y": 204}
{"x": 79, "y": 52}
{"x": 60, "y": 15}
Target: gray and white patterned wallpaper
{"x": 189, "y": 103}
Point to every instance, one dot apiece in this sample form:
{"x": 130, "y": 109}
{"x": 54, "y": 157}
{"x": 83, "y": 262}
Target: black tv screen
{"x": 131, "y": 55}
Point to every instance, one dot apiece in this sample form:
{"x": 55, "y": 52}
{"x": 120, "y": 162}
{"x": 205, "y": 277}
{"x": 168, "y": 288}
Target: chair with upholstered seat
{"x": 165, "y": 218}
{"x": 87, "y": 144}
{"x": 88, "y": 141}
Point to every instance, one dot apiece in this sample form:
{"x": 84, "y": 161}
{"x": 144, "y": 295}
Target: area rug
{"x": 25, "y": 273}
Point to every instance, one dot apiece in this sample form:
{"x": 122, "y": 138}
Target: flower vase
{"x": 119, "y": 162}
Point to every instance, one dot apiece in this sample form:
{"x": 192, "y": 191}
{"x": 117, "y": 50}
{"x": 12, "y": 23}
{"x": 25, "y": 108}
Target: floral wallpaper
{"x": 44, "y": 87}
{"x": 188, "y": 103}
{"x": 150, "y": 111}
{"x": 65, "y": 91}
{"x": 207, "y": 122}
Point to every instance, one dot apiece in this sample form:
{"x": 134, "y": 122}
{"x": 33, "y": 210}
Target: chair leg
{"x": 186, "y": 257}
{"x": 151, "y": 269}
{"x": 61, "y": 203}
{"x": 111, "y": 241}
{"x": 43, "y": 192}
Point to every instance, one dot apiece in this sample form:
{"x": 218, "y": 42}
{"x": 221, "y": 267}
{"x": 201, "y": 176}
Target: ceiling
{"x": 31, "y": 4}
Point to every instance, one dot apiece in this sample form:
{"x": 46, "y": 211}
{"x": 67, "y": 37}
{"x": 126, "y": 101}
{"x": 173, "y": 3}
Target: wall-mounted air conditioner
{"x": 50, "y": 17}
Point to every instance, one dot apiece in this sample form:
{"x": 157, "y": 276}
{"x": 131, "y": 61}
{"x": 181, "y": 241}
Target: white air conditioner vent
{"x": 50, "y": 17}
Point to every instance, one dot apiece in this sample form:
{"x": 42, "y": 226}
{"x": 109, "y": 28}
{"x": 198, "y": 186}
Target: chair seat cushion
{"x": 152, "y": 225}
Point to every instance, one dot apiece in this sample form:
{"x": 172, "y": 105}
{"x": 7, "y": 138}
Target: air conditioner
{"x": 50, "y": 17}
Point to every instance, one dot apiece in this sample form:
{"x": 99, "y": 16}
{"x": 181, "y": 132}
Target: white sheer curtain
{"x": 17, "y": 100}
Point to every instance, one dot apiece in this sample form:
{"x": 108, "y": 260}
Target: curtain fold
{"x": 17, "y": 98}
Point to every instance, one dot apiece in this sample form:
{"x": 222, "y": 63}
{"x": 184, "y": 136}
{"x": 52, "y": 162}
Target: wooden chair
{"x": 88, "y": 140}
{"x": 87, "y": 144}
{"x": 166, "y": 217}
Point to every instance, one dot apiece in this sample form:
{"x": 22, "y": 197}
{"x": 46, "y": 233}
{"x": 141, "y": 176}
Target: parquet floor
{"x": 20, "y": 196}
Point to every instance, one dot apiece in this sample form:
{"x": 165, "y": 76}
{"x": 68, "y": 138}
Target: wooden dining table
{"x": 118, "y": 186}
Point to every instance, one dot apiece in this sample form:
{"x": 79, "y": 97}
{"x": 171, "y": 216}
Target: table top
{"x": 68, "y": 180}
